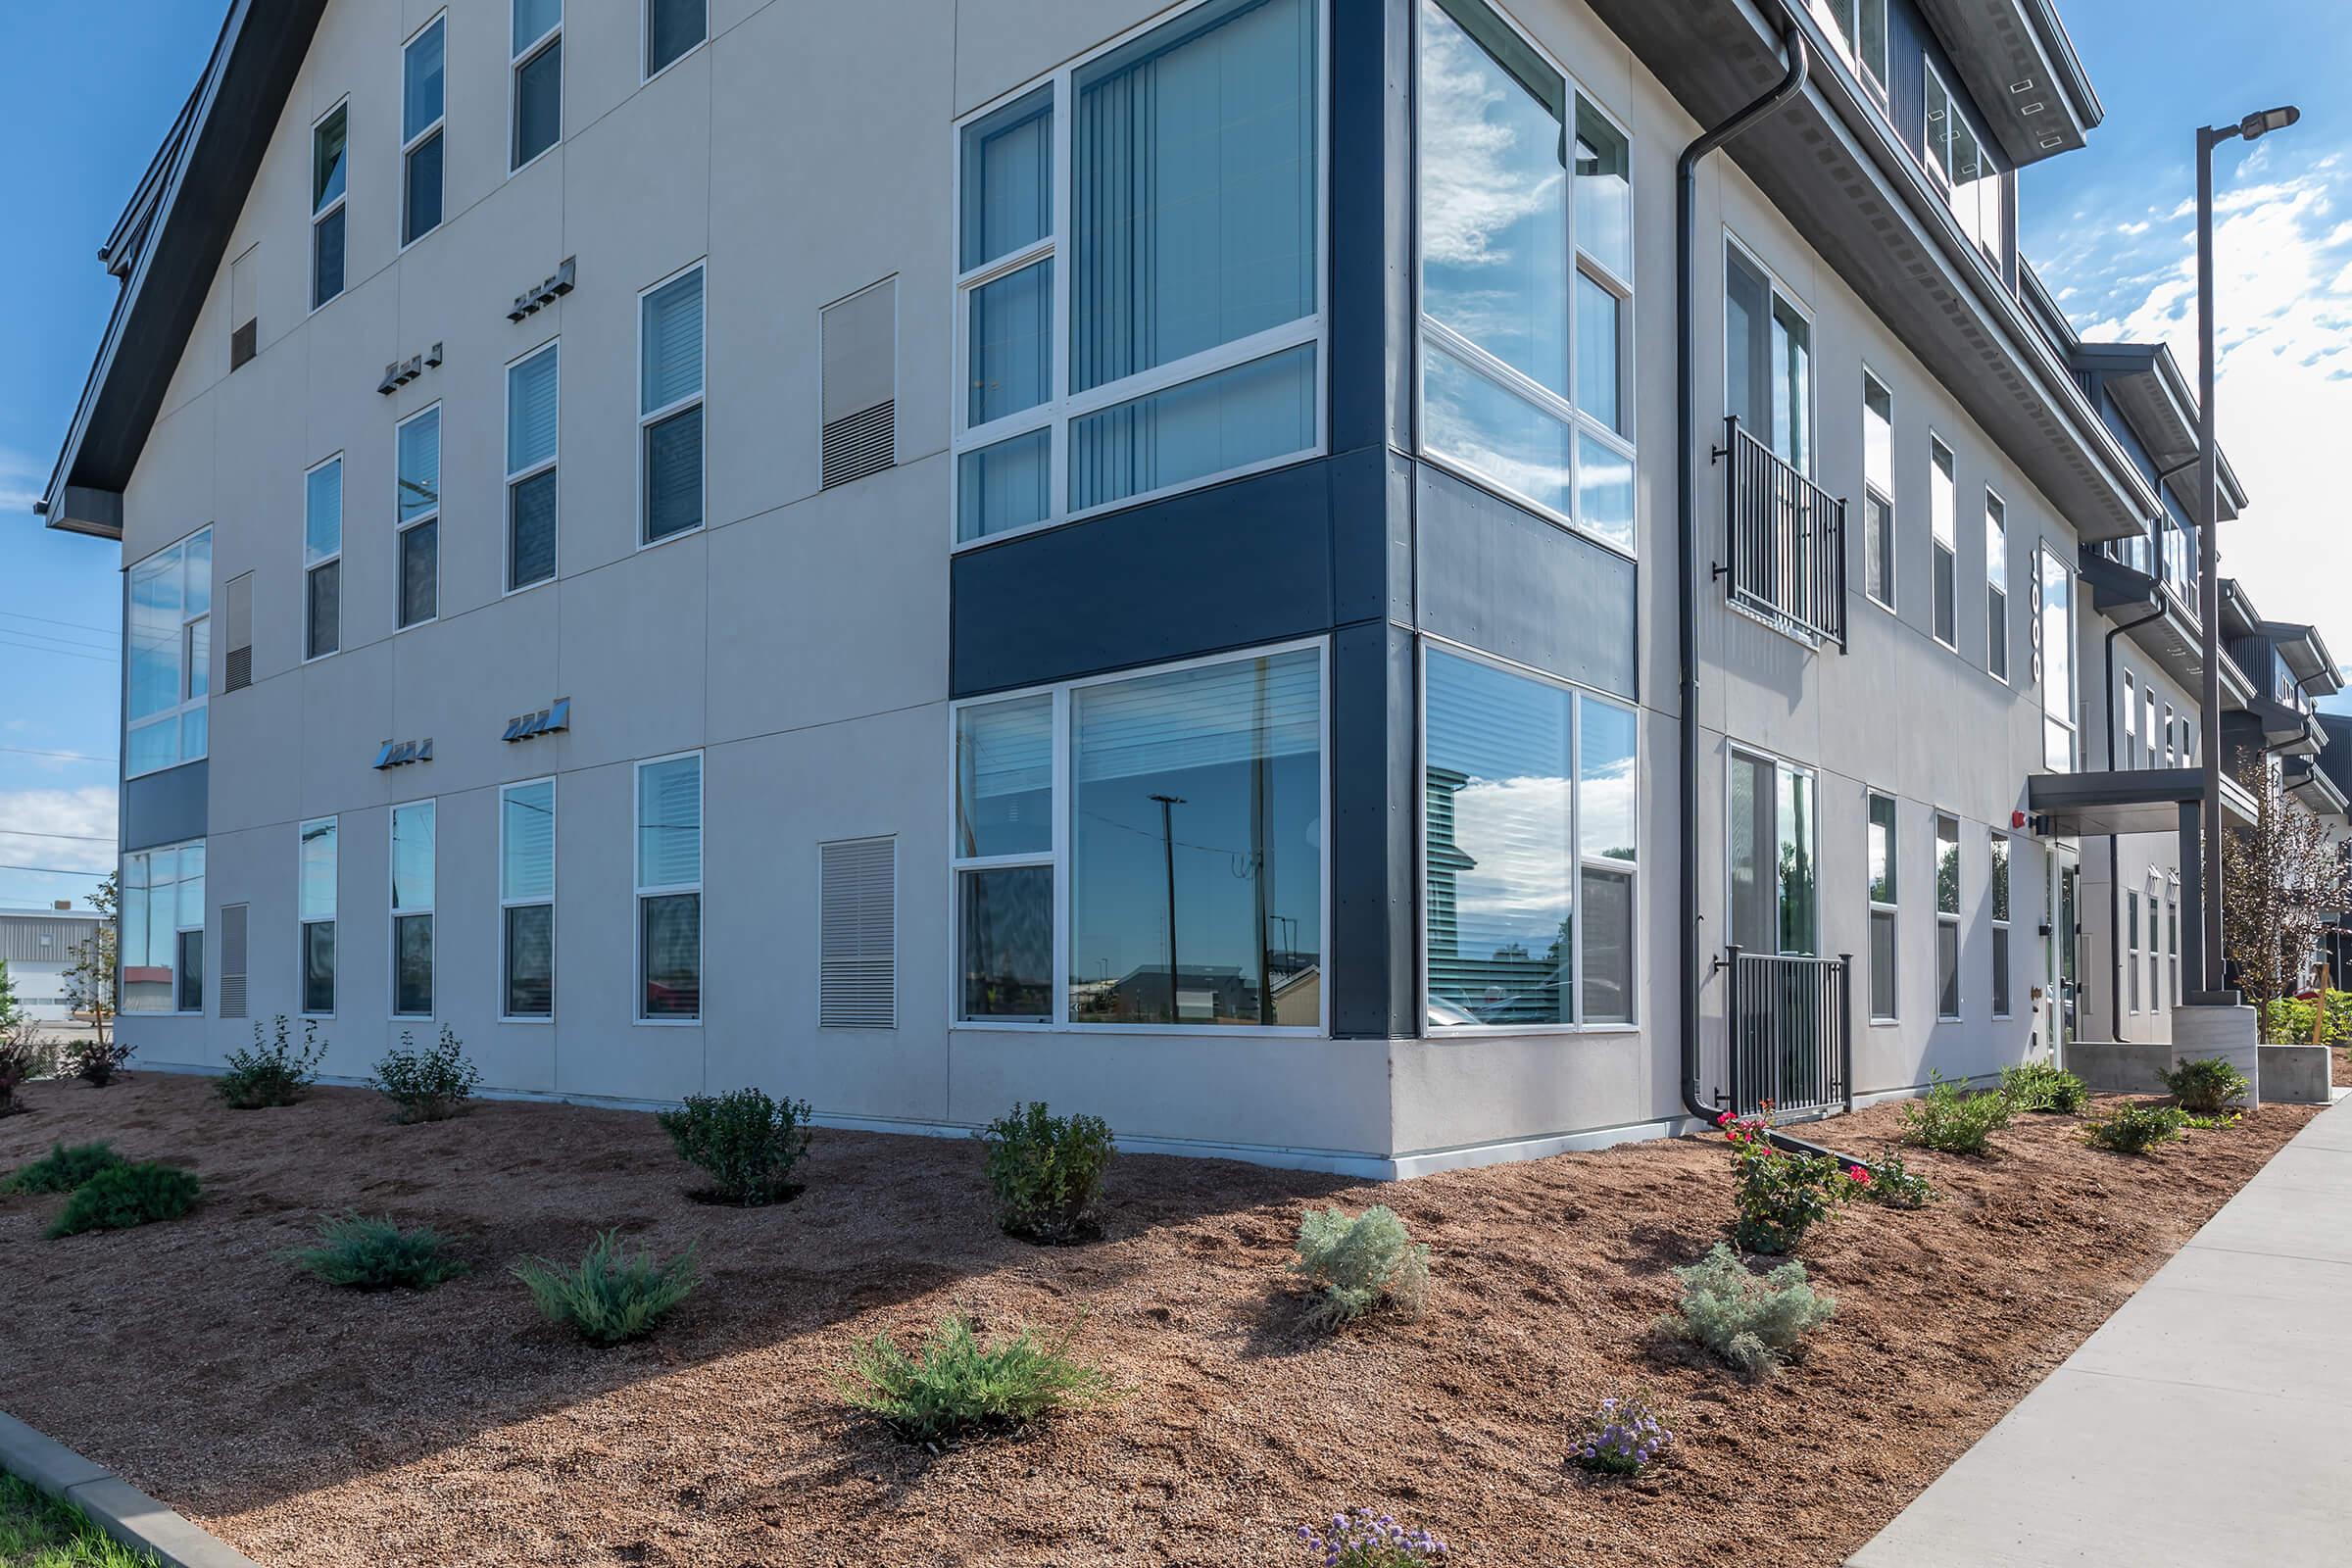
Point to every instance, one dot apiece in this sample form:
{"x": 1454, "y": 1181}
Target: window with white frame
{"x": 673, "y": 28}
{"x": 1531, "y": 818}
{"x": 526, "y": 898}
{"x": 1962, "y": 168}
{"x": 1773, "y": 834}
{"x": 1997, "y": 586}
{"x": 2130, "y": 757}
{"x": 160, "y": 965}
{"x": 2057, "y": 586}
{"x": 322, "y": 559}
{"x": 2147, "y": 710}
{"x": 1862, "y": 27}
{"x": 1998, "y": 886}
{"x": 415, "y": 829}
{"x": 417, "y": 517}
{"x": 168, "y": 637}
{"x": 315, "y": 872}
{"x": 2132, "y": 963}
{"x": 1886, "y": 860}
{"x": 1943, "y": 522}
{"x": 531, "y": 409}
{"x": 670, "y": 407}
{"x": 1877, "y": 490}
{"x": 669, "y": 889}
{"x": 1163, "y": 831}
{"x": 1947, "y": 917}
{"x": 2172, "y": 932}
{"x": 1138, "y": 269}
{"x": 424, "y": 107}
{"x": 1767, "y": 360}
{"x": 535, "y": 46}
{"x": 330, "y": 178}
{"x": 1526, "y": 298}
{"x": 2155, "y": 941}
{"x": 2167, "y": 735}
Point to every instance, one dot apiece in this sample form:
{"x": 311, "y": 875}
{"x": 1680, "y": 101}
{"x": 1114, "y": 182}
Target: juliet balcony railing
{"x": 1784, "y": 542}
{"x": 1789, "y": 1033}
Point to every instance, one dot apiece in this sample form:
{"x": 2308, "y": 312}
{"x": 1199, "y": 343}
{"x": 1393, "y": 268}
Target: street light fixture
{"x": 2253, "y": 128}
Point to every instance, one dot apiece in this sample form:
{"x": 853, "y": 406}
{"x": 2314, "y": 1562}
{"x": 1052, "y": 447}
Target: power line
{"x": 52, "y": 870}
{"x": 61, "y": 651}
{"x": 76, "y": 625}
{"x": 71, "y": 757}
{"x": 28, "y": 833}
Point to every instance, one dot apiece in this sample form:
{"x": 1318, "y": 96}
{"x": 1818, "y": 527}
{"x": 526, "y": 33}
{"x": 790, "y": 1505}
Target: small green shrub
{"x": 375, "y": 1255}
{"x": 2207, "y": 1085}
{"x": 2044, "y": 1086}
{"x": 272, "y": 1074}
{"x": 1782, "y": 1194}
{"x": 1952, "y": 1123}
{"x": 122, "y": 1196}
{"x": 1046, "y": 1172}
{"x": 1749, "y": 1324}
{"x": 430, "y": 1085}
{"x": 611, "y": 1296}
{"x": 25, "y": 1054}
{"x": 98, "y": 1063}
{"x": 2287, "y": 1020}
{"x": 64, "y": 1168}
{"x": 1896, "y": 1185}
{"x": 1359, "y": 1263}
{"x": 956, "y": 1385}
{"x": 746, "y": 1143}
{"x": 2135, "y": 1127}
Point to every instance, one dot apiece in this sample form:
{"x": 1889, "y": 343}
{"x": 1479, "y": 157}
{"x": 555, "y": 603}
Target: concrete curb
{"x": 114, "y": 1505}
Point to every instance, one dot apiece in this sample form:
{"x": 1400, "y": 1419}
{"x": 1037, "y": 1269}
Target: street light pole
{"x": 2209, "y": 589}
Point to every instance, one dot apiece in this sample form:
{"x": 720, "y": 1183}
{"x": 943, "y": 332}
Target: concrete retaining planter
{"x": 114, "y": 1505}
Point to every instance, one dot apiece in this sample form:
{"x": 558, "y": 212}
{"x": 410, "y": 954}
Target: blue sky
{"x": 88, "y": 88}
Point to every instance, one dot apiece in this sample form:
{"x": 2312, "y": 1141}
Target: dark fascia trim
{"x": 1970, "y": 36}
{"x": 2154, "y": 363}
{"x": 139, "y": 214}
{"x": 2306, "y": 656}
{"x": 2066, "y": 64}
{"x": 2239, "y": 617}
{"x": 208, "y": 162}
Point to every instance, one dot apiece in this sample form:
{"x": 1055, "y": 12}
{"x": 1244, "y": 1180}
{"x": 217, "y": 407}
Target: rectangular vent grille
{"x": 236, "y": 630}
{"x": 232, "y": 960}
{"x": 858, "y": 968}
{"x": 862, "y": 444}
{"x": 241, "y": 346}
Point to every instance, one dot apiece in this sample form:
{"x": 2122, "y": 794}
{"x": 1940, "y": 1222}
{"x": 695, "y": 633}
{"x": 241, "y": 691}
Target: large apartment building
{"x": 1263, "y": 569}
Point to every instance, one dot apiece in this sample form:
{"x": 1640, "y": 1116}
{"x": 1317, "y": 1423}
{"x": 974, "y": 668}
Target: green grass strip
{"x": 38, "y": 1531}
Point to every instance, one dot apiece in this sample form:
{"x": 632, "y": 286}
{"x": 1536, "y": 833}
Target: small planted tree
{"x": 91, "y": 978}
{"x": 2282, "y": 881}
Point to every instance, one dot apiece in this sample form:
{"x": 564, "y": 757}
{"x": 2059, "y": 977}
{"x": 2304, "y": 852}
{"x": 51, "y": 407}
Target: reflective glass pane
{"x": 1609, "y": 791}
{"x": 418, "y": 485}
{"x": 674, "y": 26}
{"x": 1999, "y": 886}
{"x": 420, "y": 190}
{"x": 1007, "y": 919}
{"x": 322, "y": 512}
{"x": 2001, "y": 971}
{"x": 1005, "y": 779}
{"x": 412, "y": 965}
{"x": 1604, "y": 491}
{"x": 530, "y": 961}
{"x": 325, "y": 609}
{"x": 1608, "y": 946}
{"x": 157, "y": 679}
{"x": 1479, "y": 424}
{"x": 199, "y": 592}
{"x": 671, "y": 343}
{"x": 326, "y": 257}
{"x": 327, "y": 159}
{"x": 538, "y": 103}
{"x": 191, "y": 972}
{"x": 1948, "y": 866}
{"x": 1604, "y": 192}
{"x": 671, "y": 945}
{"x": 317, "y": 868}
{"x": 532, "y": 20}
{"x": 412, "y": 835}
{"x": 1251, "y": 414}
{"x": 153, "y": 745}
{"x": 1948, "y": 969}
{"x": 1797, "y": 836}
{"x": 1882, "y": 964}
{"x": 1883, "y": 861}
{"x": 528, "y": 841}
{"x": 319, "y": 969}
{"x": 1012, "y": 332}
{"x": 1004, "y": 486}
{"x": 674, "y": 474}
{"x": 669, "y": 823}
{"x": 1596, "y": 346}
{"x": 421, "y": 81}
{"x": 420, "y": 573}
{"x": 532, "y": 530}
{"x": 1009, "y": 178}
{"x": 531, "y": 408}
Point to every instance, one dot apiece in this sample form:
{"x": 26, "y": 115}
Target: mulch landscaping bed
{"x": 314, "y": 1427}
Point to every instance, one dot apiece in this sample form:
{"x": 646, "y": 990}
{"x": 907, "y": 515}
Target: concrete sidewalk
{"x": 2208, "y": 1423}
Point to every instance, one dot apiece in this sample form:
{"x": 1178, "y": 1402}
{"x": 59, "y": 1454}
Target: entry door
{"x": 2065, "y": 963}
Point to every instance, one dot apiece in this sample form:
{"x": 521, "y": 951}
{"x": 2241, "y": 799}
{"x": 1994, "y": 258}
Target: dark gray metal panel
{"x": 167, "y": 808}
{"x": 1372, "y": 960}
{"x": 1370, "y": 125}
{"x": 1499, "y": 578}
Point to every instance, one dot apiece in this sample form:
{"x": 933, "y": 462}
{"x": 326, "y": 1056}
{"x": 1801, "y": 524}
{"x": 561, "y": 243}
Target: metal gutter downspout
{"x": 1686, "y": 288}
{"x": 2115, "y": 954}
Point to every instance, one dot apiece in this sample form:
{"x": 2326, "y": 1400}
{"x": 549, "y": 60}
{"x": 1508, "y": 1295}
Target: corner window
{"x": 322, "y": 560}
{"x": 1530, "y": 810}
{"x": 1885, "y": 861}
{"x": 1526, "y": 273}
{"x": 1190, "y": 839}
{"x": 1961, "y": 167}
{"x": 1943, "y": 524}
{"x": 1997, "y": 586}
{"x": 1947, "y": 917}
{"x": 673, "y": 28}
{"x": 330, "y": 156}
{"x": 526, "y": 898}
{"x": 1768, "y": 360}
{"x": 168, "y": 639}
{"x": 1773, "y": 834}
{"x": 423, "y": 104}
{"x": 413, "y": 860}
{"x": 1140, "y": 312}
{"x": 416, "y": 517}
{"x": 316, "y": 873}
{"x": 669, "y": 889}
{"x": 669, "y": 407}
{"x": 531, "y": 409}
{"x": 536, "y": 58}
{"x": 1878, "y": 491}
{"x": 160, "y": 960}
{"x": 1999, "y": 888}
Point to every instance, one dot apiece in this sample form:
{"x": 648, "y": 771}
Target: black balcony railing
{"x": 1791, "y": 1035}
{"x": 1784, "y": 541}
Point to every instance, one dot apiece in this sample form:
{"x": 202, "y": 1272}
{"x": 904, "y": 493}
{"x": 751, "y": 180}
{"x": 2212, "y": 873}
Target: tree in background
{"x": 92, "y": 979}
{"x": 2281, "y": 882}
{"x": 8, "y": 995}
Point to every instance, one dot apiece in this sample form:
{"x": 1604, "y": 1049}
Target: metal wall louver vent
{"x": 232, "y": 960}
{"x": 858, "y": 352}
{"x": 245, "y": 332}
{"x": 858, "y": 916}
{"x": 236, "y": 627}
{"x": 862, "y": 444}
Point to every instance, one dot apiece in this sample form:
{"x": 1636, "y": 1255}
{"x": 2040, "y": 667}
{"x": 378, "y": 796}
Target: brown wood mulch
{"x": 310, "y": 1426}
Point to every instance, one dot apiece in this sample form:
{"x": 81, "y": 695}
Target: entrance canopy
{"x": 2144, "y": 800}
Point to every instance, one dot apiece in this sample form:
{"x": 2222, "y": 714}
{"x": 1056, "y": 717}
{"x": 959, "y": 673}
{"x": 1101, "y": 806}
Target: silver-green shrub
{"x": 1748, "y": 1323}
{"x": 1361, "y": 1262}
{"x": 611, "y": 1296}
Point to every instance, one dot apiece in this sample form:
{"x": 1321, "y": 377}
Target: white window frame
{"x": 515, "y": 476}
{"x": 498, "y": 969}
{"x": 1997, "y": 551}
{"x": 2147, "y": 707}
{"x": 516, "y": 59}
{"x": 2171, "y": 922}
{"x": 2002, "y": 847}
{"x": 1060, "y": 858}
{"x": 646, "y": 71}
{"x": 400, "y": 530}
{"x": 1632, "y": 870}
{"x": 1870, "y": 489}
{"x": 190, "y": 677}
{"x": 395, "y": 913}
{"x": 319, "y": 214}
{"x": 1950, "y": 919}
{"x": 2130, "y": 757}
{"x": 1949, "y": 475}
{"x": 2131, "y": 950}
{"x": 1480, "y": 363}
{"x": 2167, "y": 735}
{"x": 202, "y": 927}
{"x": 653, "y": 890}
{"x": 303, "y": 922}
{"x": 2061, "y": 712}
{"x": 1944, "y": 180}
{"x": 333, "y": 558}
{"x": 440, "y": 123}
{"x": 1061, "y": 407}
{"x": 697, "y": 399}
{"x": 1872, "y": 72}
{"x": 1891, "y": 908}
{"x": 1778, "y": 292}
{"x": 1780, "y": 765}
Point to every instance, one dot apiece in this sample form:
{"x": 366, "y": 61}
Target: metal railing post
{"x": 1845, "y": 1021}
{"x": 1734, "y": 1079}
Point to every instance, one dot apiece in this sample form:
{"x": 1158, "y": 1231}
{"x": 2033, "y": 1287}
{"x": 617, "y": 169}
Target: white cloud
{"x": 20, "y": 480}
{"x": 29, "y": 819}
{"x": 2137, "y": 226}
